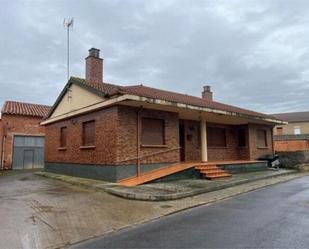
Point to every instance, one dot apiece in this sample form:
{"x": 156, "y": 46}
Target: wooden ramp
{"x": 157, "y": 173}
{"x": 207, "y": 170}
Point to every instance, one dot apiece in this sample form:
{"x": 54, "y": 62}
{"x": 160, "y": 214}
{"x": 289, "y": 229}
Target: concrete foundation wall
{"x": 110, "y": 173}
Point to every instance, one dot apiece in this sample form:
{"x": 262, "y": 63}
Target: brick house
{"x": 21, "y": 135}
{"x": 111, "y": 132}
{"x": 293, "y": 136}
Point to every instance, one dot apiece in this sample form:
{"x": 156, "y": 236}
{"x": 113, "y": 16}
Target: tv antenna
{"x": 68, "y": 24}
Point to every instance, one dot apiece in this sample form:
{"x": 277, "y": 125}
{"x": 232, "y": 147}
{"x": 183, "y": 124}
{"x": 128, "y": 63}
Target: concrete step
{"x": 207, "y": 171}
{"x": 212, "y": 171}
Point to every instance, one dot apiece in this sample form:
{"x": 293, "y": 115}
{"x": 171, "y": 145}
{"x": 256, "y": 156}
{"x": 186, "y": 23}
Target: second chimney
{"x": 94, "y": 66}
{"x": 207, "y": 93}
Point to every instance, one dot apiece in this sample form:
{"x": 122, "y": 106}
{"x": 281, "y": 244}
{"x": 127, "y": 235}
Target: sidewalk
{"x": 172, "y": 190}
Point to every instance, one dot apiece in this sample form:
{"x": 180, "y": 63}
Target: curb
{"x": 169, "y": 197}
{"x": 107, "y": 187}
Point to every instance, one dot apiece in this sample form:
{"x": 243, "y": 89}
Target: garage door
{"x": 28, "y": 152}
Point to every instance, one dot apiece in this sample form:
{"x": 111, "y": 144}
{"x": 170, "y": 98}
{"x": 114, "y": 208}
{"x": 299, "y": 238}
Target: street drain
{"x": 166, "y": 206}
{"x": 24, "y": 179}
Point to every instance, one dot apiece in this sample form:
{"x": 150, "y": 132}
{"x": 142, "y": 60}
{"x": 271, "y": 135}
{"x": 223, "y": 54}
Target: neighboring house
{"x": 295, "y": 135}
{"x": 21, "y": 135}
{"x": 103, "y": 131}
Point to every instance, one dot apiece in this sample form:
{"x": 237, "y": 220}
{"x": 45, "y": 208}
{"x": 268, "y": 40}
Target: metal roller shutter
{"x": 28, "y": 152}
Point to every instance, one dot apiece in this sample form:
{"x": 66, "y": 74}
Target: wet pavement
{"x": 37, "y": 212}
{"x": 273, "y": 217}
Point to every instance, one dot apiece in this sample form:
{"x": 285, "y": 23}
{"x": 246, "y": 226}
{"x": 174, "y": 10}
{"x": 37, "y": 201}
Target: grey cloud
{"x": 253, "y": 53}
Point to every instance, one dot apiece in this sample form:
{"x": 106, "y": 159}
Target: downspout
{"x": 272, "y": 140}
{"x": 3, "y": 150}
{"x": 1, "y": 155}
{"x": 138, "y": 148}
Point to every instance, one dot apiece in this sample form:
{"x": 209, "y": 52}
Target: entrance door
{"x": 28, "y": 159}
{"x": 182, "y": 142}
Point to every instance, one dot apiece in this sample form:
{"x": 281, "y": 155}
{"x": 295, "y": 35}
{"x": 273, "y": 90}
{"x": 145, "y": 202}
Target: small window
{"x": 216, "y": 137}
{"x": 279, "y": 130}
{"x": 262, "y": 138}
{"x": 153, "y": 131}
{"x": 242, "y": 138}
{"x": 297, "y": 130}
{"x": 89, "y": 133}
{"x": 63, "y": 136}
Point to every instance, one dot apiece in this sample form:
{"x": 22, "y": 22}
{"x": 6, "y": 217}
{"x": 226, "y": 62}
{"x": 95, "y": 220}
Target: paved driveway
{"x": 273, "y": 217}
{"x": 36, "y": 212}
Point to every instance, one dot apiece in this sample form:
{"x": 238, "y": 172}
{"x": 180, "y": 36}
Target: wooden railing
{"x": 145, "y": 156}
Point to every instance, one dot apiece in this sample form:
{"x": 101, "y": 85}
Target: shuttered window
{"x": 262, "y": 138}
{"x": 216, "y": 137}
{"x": 279, "y": 130}
{"x": 89, "y": 133}
{"x": 152, "y": 131}
{"x": 242, "y": 138}
{"x": 63, "y": 136}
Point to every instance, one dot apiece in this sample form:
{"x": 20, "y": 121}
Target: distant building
{"x": 21, "y": 135}
{"x": 295, "y": 135}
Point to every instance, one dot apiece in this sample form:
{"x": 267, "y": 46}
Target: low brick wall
{"x": 244, "y": 167}
{"x": 291, "y": 159}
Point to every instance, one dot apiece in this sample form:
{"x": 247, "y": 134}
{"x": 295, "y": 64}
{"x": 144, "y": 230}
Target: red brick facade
{"x": 291, "y": 145}
{"x": 17, "y": 125}
{"x": 116, "y": 139}
{"x": 105, "y": 139}
{"x": 255, "y": 150}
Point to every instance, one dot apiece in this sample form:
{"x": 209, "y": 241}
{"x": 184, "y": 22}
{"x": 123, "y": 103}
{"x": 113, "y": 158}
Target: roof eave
{"x": 131, "y": 97}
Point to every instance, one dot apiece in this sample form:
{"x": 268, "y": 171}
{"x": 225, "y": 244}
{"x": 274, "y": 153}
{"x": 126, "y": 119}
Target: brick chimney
{"x": 94, "y": 66}
{"x": 207, "y": 93}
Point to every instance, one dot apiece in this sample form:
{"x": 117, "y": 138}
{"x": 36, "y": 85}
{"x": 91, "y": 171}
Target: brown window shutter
{"x": 63, "y": 136}
{"x": 262, "y": 138}
{"x": 89, "y": 133}
{"x": 153, "y": 131}
{"x": 216, "y": 137}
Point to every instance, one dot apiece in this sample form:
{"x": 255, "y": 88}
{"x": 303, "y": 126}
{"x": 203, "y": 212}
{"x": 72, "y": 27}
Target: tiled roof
{"x": 293, "y": 116}
{"x": 150, "y": 92}
{"x": 105, "y": 88}
{"x": 27, "y": 109}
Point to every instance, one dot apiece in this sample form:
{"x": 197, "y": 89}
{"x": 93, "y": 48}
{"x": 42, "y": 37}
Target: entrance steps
{"x": 212, "y": 171}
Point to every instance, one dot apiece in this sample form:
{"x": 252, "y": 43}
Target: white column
{"x": 203, "y": 140}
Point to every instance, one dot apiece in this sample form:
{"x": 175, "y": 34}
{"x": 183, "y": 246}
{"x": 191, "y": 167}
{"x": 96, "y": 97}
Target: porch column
{"x": 203, "y": 140}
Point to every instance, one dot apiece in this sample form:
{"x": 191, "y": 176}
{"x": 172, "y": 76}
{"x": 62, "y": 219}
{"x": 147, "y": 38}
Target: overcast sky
{"x": 254, "y": 54}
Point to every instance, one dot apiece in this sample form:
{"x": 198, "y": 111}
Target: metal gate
{"x": 28, "y": 152}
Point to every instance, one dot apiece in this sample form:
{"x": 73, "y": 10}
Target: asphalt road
{"x": 273, "y": 217}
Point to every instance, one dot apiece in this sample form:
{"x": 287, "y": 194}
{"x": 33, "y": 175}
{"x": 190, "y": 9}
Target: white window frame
{"x": 297, "y": 130}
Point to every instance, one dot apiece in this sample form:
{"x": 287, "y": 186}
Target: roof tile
{"x": 27, "y": 109}
{"x": 293, "y": 116}
{"x": 150, "y": 92}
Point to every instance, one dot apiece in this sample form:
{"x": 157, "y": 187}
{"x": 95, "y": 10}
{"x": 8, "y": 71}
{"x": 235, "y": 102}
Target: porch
{"x": 217, "y": 169}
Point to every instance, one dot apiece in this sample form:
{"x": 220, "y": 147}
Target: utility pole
{"x": 68, "y": 23}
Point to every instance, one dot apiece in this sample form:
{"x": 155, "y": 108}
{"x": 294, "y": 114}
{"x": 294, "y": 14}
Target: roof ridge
{"x": 168, "y": 91}
{"x": 27, "y": 103}
{"x": 289, "y": 113}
